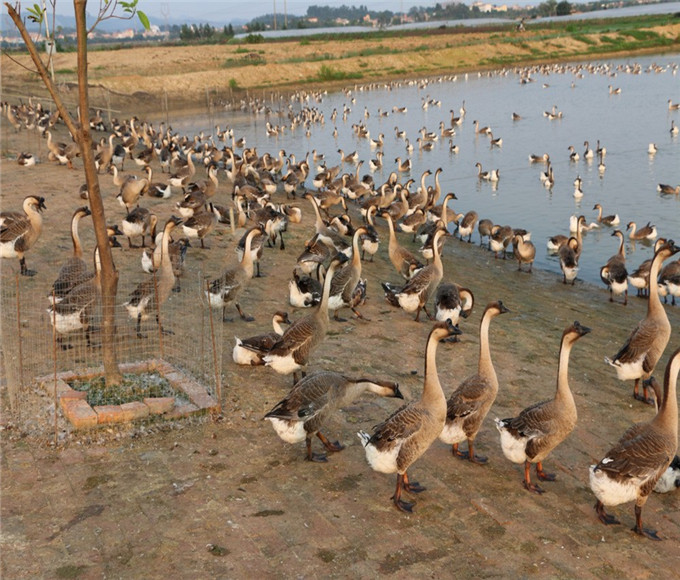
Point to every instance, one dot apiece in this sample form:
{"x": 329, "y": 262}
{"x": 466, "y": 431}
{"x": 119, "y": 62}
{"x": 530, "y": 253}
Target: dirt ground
{"x": 227, "y": 498}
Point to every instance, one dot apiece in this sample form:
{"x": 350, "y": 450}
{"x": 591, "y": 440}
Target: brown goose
{"x": 639, "y": 278}
{"x": 74, "y": 271}
{"x": 469, "y": 404}
{"x": 538, "y": 429}
{"x": 467, "y": 225}
{"x": 402, "y": 259}
{"x": 485, "y": 229}
{"x": 132, "y": 189}
{"x": 250, "y": 351}
{"x": 291, "y": 353}
{"x": 638, "y": 356}
{"x": 569, "y": 255}
{"x": 139, "y": 222}
{"x": 614, "y": 273}
{"x": 199, "y": 225}
{"x": 608, "y": 220}
{"x": 62, "y": 152}
{"x": 406, "y": 434}
{"x": 18, "y": 232}
{"x": 312, "y": 401}
{"x": 452, "y": 301}
{"x": 524, "y": 251}
{"x": 413, "y": 296}
{"x": 229, "y": 286}
{"x": 151, "y": 294}
{"x": 630, "y": 470}
{"x": 500, "y": 239}
{"x": 647, "y": 232}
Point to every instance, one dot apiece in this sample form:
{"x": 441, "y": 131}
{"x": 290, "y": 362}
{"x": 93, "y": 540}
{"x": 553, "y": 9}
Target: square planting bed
{"x": 82, "y": 415}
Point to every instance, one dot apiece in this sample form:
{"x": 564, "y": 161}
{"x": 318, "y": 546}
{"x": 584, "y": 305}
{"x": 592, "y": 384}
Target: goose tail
{"x": 390, "y": 294}
{"x": 364, "y": 437}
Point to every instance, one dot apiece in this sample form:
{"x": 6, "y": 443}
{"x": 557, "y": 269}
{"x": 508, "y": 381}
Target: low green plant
{"x": 134, "y": 387}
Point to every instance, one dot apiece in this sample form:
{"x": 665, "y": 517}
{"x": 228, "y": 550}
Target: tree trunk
{"x": 81, "y": 133}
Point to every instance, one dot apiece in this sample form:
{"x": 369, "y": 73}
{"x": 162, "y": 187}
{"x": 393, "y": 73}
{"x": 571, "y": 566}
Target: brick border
{"x": 82, "y": 415}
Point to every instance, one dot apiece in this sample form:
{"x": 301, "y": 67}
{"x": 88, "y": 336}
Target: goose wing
{"x": 306, "y": 399}
{"x": 299, "y": 337}
{"x": 534, "y": 423}
{"x": 467, "y": 399}
{"x": 420, "y": 281}
{"x": 400, "y": 425}
{"x": 639, "y": 342}
{"x": 12, "y": 225}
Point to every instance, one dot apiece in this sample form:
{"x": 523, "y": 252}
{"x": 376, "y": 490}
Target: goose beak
{"x": 582, "y": 330}
{"x": 41, "y": 204}
{"x": 397, "y": 393}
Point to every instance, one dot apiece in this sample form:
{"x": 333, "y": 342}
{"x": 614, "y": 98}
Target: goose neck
{"x": 75, "y": 237}
{"x": 668, "y": 411}
{"x": 485, "y": 365}
{"x": 563, "y": 391}
{"x": 432, "y": 389}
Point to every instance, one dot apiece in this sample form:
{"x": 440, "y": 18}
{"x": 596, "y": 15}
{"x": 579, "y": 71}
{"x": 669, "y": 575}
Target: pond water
{"x": 624, "y": 123}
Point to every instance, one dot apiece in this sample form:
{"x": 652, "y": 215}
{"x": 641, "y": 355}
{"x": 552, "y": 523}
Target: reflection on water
{"x": 621, "y": 104}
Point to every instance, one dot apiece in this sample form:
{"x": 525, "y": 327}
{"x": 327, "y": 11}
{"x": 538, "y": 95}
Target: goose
{"x": 485, "y": 227}
{"x": 608, "y": 220}
{"x": 673, "y": 106}
{"x": 647, "y": 232}
{"x": 412, "y": 222}
{"x": 668, "y": 189}
{"x": 250, "y": 351}
{"x": 402, "y": 259}
{"x": 199, "y": 225}
{"x": 467, "y": 225}
{"x": 425, "y": 145}
{"x": 195, "y": 201}
{"x": 404, "y": 436}
{"x": 413, "y": 296}
{"x": 573, "y": 154}
{"x": 669, "y": 280}
{"x": 614, "y": 274}
{"x": 495, "y": 142}
{"x": 183, "y": 175}
{"x": 642, "y": 350}
{"x": 569, "y": 254}
{"x": 652, "y": 149}
{"x": 639, "y": 278}
{"x": 534, "y": 158}
{"x": 524, "y": 251}
{"x": 18, "y": 232}
{"x": 76, "y": 310}
{"x": 370, "y": 242}
{"x": 229, "y": 286}
{"x": 346, "y": 278}
{"x": 352, "y": 157}
{"x": 26, "y": 159}
{"x": 482, "y": 175}
{"x": 139, "y": 222}
{"x": 670, "y": 479}
{"x": 674, "y": 128}
{"x": 403, "y": 166}
{"x": 132, "y": 190}
{"x": 538, "y": 429}
{"x": 588, "y": 153}
{"x": 500, "y": 239}
{"x": 481, "y": 130}
{"x": 74, "y": 271}
{"x": 614, "y": 90}
{"x": 291, "y": 353}
{"x": 446, "y": 131}
{"x": 630, "y": 470}
{"x": 453, "y": 148}
{"x": 303, "y": 290}
{"x": 313, "y": 257}
{"x": 62, "y": 152}
{"x": 150, "y": 295}
{"x": 314, "y": 399}
{"x": 469, "y": 404}
{"x": 516, "y": 117}
{"x": 452, "y": 301}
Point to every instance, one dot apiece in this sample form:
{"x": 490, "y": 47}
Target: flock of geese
{"x": 328, "y": 278}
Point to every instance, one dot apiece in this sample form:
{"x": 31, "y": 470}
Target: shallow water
{"x": 624, "y": 123}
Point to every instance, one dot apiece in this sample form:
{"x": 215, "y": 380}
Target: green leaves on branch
{"x": 131, "y": 8}
{"x": 36, "y": 14}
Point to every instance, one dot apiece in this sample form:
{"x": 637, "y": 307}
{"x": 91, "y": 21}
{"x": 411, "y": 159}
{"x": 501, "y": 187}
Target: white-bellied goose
{"x": 413, "y": 296}
{"x": 500, "y": 239}
{"x": 18, "y": 232}
{"x": 199, "y": 225}
{"x": 151, "y": 294}
{"x": 249, "y": 351}
{"x": 647, "y": 232}
{"x": 26, "y": 159}
{"x": 469, "y": 404}
{"x": 670, "y": 479}
{"x": 569, "y": 255}
{"x": 62, "y": 152}
{"x": 132, "y": 189}
{"x": 668, "y": 189}
{"x": 524, "y": 251}
{"x": 614, "y": 274}
{"x": 485, "y": 229}
{"x": 139, "y": 222}
{"x": 629, "y": 471}
{"x": 229, "y": 286}
{"x": 303, "y": 290}
{"x": 347, "y": 277}
{"x": 669, "y": 280}
{"x": 641, "y": 352}
{"x": 74, "y": 271}
{"x": 406, "y": 434}
{"x": 312, "y": 401}
{"x": 402, "y": 259}
{"x": 538, "y": 429}
{"x": 467, "y": 225}
{"x": 639, "y": 278}
{"x": 291, "y": 353}
{"x": 76, "y": 310}
{"x": 608, "y": 220}
{"x": 452, "y": 302}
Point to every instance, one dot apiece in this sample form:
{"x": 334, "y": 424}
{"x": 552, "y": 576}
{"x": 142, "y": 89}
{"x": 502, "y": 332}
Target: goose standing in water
{"x": 250, "y": 351}
{"x": 314, "y": 399}
{"x": 538, "y": 429}
{"x": 18, "y": 232}
{"x": 524, "y": 251}
{"x": 629, "y": 471}
{"x": 151, "y": 294}
{"x": 641, "y": 352}
{"x": 406, "y": 434}
{"x": 614, "y": 274}
{"x": 291, "y": 353}
{"x": 229, "y": 286}
{"x": 74, "y": 271}
{"x": 413, "y": 296}
{"x": 469, "y": 404}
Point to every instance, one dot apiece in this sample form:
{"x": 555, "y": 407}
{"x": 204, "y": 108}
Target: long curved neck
{"x": 323, "y": 306}
{"x": 247, "y": 258}
{"x": 622, "y": 246}
{"x": 432, "y": 389}
{"x": 393, "y": 236}
{"x": 77, "y": 247}
{"x": 319, "y": 224}
{"x": 668, "y": 412}
{"x": 654, "y": 304}
{"x": 166, "y": 265}
{"x": 485, "y": 367}
{"x": 563, "y": 392}
{"x": 356, "y": 256}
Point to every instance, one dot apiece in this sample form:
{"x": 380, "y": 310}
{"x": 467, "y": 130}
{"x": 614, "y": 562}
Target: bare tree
{"x": 80, "y": 130}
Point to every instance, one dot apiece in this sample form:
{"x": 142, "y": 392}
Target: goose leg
{"x": 163, "y": 330}
{"x": 401, "y": 505}
{"x": 139, "y": 326}
{"x": 333, "y": 446}
{"x": 337, "y": 318}
{"x": 542, "y": 475}
{"x": 638, "y": 529}
{"x": 645, "y": 392}
{"x": 412, "y": 486}
{"x": 603, "y": 516}
{"x": 527, "y": 480}
{"x": 315, "y": 457}
{"x": 242, "y": 315}
{"x": 24, "y": 270}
